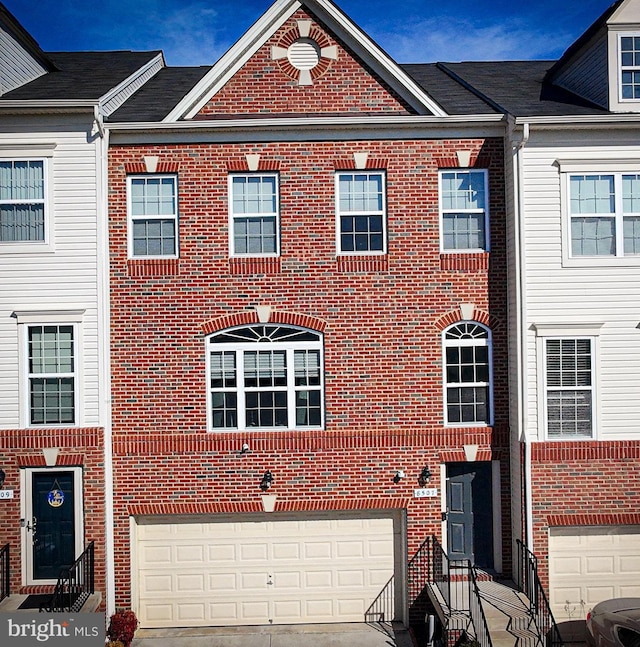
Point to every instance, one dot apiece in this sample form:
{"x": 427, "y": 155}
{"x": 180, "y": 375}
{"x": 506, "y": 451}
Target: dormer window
{"x": 629, "y": 67}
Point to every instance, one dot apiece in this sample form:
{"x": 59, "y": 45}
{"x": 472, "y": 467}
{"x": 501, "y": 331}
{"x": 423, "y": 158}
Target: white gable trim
{"x": 267, "y": 25}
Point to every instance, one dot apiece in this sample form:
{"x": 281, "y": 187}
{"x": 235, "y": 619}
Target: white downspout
{"x": 521, "y": 337}
{"x": 104, "y": 319}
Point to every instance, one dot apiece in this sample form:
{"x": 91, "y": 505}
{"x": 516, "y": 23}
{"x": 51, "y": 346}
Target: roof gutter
{"x": 318, "y": 122}
{"x": 99, "y": 119}
{"x": 583, "y": 121}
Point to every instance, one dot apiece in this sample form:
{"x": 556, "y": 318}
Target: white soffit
{"x": 268, "y": 24}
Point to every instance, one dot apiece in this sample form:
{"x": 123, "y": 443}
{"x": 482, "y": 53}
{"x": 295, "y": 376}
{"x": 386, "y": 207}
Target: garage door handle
{"x": 270, "y": 580}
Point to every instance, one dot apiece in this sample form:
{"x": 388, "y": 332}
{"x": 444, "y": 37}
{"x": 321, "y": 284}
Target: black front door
{"x": 470, "y": 513}
{"x": 53, "y": 523}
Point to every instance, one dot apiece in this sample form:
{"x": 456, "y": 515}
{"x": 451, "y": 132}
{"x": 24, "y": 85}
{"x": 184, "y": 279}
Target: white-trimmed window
{"x": 51, "y": 374}
{"x": 265, "y": 377}
{"x": 605, "y": 214}
{"x": 361, "y": 212}
{"x": 629, "y": 57}
{"x": 153, "y": 216}
{"x": 468, "y": 370}
{"x": 569, "y": 387}
{"x": 23, "y": 205}
{"x": 254, "y": 215}
{"x": 464, "y": 210}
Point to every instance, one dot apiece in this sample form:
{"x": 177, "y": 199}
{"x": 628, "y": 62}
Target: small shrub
{"x": 122, "y": 627}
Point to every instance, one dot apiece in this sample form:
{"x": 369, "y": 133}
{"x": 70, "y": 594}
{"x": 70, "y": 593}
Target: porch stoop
{"x": 13, "y": 602}
{"x": 507, "y": 612}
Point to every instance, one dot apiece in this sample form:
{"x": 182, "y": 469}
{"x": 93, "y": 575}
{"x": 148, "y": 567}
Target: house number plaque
{"x": 6, "y": 494}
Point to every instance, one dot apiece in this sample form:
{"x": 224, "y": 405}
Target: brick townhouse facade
{"x": 293, "y": 265}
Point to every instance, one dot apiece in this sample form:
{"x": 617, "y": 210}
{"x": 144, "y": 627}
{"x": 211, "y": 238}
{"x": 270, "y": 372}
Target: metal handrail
{"x": 382, "y": 609}
{"x": 528, "y": 581}
{"x": 478, "y": 618}
{"x": 5, "y": 574}
{"x": 75, "y": 584}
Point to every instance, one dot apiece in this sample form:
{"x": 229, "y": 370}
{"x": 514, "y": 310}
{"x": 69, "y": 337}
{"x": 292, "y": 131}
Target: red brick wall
{"x": 583, "y": 483}
{"x": 381, "y": 319}
{"x": 263, "y": 86}
{"x": 81, "y": 447}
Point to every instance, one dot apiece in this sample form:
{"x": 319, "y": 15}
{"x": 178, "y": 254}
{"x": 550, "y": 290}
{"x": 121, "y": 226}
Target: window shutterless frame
{"x": 254, "y": 214}
{"x": 361, "y": 212}
{"x": 152, "y": 216}
{"x": 628, "y": 67}
{"x": 265, "y": 377}
{"x": 25, "y": 199}
{"x": 467, "y": 375}
{"x": 463, "y": 198}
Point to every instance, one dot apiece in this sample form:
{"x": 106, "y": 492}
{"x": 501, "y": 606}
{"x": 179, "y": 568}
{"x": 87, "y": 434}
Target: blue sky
{"x": 198, "y": 32}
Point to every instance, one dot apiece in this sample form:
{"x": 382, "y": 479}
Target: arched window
{"x": 468, "y": 388}
{"x": 265, "y": 377}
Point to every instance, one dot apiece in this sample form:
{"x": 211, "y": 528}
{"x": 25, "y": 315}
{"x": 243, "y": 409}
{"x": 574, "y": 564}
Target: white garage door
{"x": 589, "y": 564}
{"x": 288, "y": 571}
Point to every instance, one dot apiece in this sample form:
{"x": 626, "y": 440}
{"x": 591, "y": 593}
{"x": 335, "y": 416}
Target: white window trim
{"x": 131, "y": 218}
{"x": 602, "y": 166}
{"x": 382, "y": 212}
{"x": 487, "y": 221}
{"x": 27, "y": 318}
{"x": 232, "y": 215}
{"x": 466, "y": 342}
{"x": 591, "y": 331}
{"x": 239, "y": 348}
{"x": 619, "y": 67}
{"x": 42, "y": 153}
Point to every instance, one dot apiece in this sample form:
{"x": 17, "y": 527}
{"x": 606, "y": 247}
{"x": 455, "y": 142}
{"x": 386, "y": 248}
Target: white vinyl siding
{"x": 17, "y": 66}
{"x": 63, "y": 276}
{"x": 561, "y": 289}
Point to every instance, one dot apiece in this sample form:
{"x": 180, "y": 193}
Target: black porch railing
{"x": 75, "y": 584}
{"x": 382, "y": 608}
{"x": 528, "y": 581}
{"x": 5, "y": 574}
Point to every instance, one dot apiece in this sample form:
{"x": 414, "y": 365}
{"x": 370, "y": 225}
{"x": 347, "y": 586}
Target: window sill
{"x": 378, "y": 263}
{"x": 255, "y": 265}
{"x": 465, "y": 262}
{"x": 153, "y": 267}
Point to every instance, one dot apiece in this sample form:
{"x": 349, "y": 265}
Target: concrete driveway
{"x": 338, "y": 635}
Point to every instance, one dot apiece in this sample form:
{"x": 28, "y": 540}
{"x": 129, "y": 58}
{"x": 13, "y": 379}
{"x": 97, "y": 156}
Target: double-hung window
{"x": 361, "y": 212}
{"x": 468, "y": 372}
{"x": 569, "y": 384}
{"x": 153, "y": 216}
{"x": 604, "y": 210}
{"x": 254, "y": 217}
{"x": 265, "y": 376}
{"x": 51, "y": 374}
{"x": 629, "y": 57}
{"x": 464, "y": 211}
{"x": 22, "y": 201}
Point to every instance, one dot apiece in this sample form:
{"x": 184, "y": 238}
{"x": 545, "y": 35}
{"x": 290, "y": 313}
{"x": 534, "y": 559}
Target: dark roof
{"x": 156, "y": 98}
{"x": 82, "y": 75}
{"x": 518, "y": 88}
{"x": 452, "y": 96}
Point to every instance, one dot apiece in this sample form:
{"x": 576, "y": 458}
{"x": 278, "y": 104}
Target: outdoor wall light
{"x": 245, "y": 448}
{"x": 425, "y": 476}
{"x": 399, "y": 476}
{"x": 2, "y": 477}
{"x": 267, "y": 480}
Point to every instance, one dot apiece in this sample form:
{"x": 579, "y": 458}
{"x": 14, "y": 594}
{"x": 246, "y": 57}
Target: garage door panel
{"x": 319, "y": 571}
{"x": 588, "y": 564}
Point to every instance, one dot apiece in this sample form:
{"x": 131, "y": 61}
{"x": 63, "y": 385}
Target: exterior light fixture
{"x": 398, "y": 476}
{"x": 425, "y": 476}
{"x": 2, "y": 477}
{"x": 267, "y": 480}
